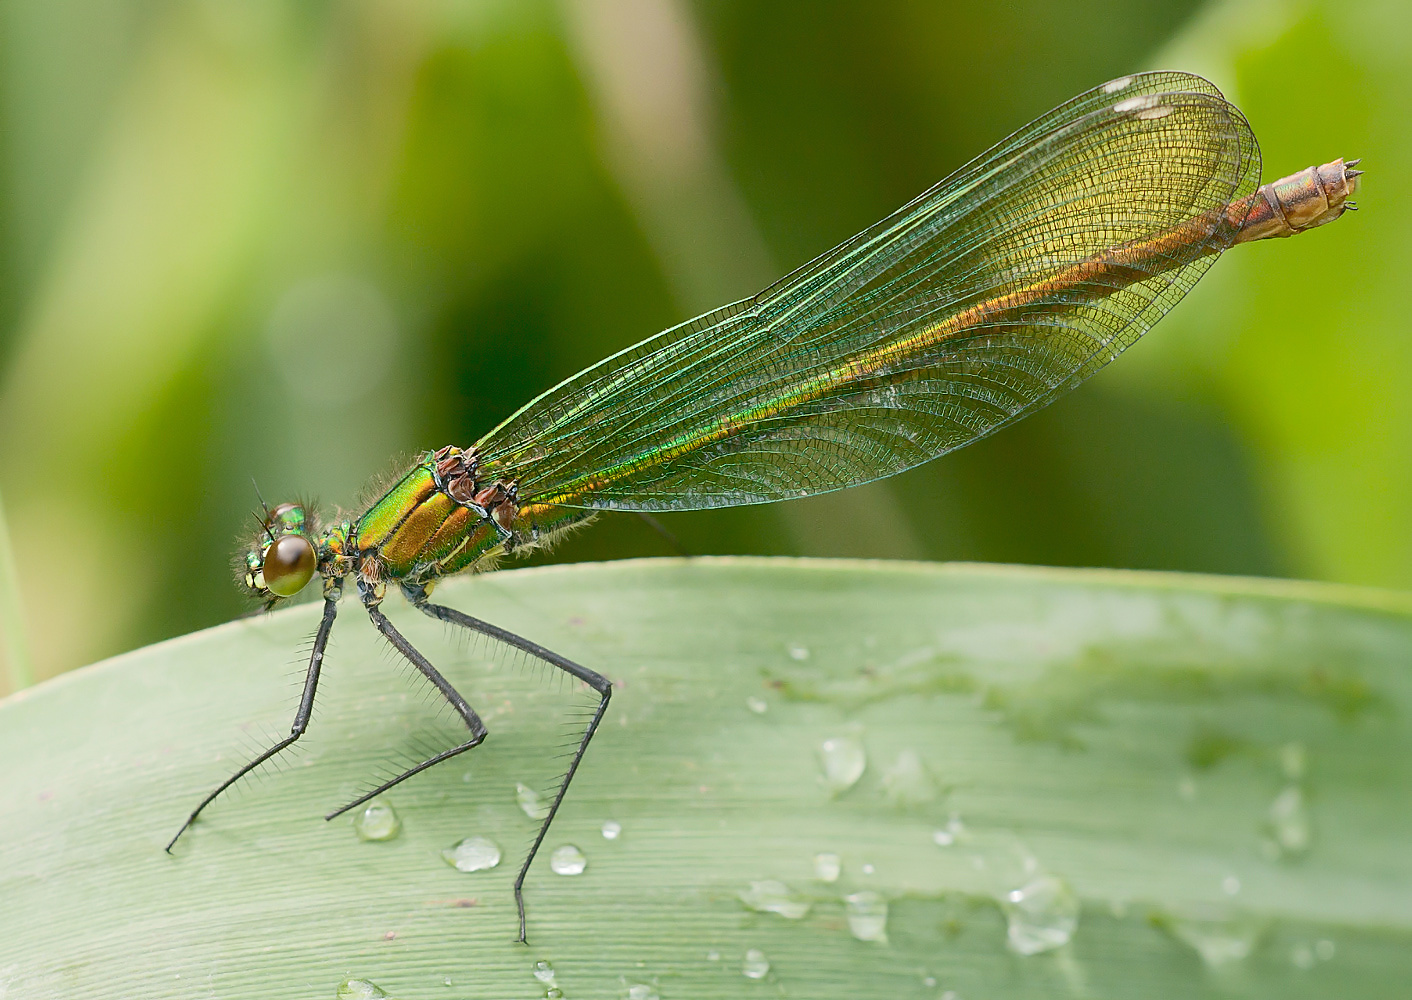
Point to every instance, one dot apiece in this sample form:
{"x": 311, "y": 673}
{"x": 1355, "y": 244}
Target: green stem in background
{"x": 14, "y": 652}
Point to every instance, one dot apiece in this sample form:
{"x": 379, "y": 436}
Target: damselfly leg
{"x": 301, "y": 717}
{"x": 594, "y": 680}
{"x": 371, "y": 602}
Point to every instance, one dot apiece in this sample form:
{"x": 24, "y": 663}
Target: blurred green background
{"x": 293, "y": 240}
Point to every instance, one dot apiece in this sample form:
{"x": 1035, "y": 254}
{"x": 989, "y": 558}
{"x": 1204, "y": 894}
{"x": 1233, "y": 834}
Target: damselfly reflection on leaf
{"x": 975, "y": 304}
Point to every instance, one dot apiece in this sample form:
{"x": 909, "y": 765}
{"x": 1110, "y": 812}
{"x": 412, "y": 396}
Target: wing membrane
{"x": 983, "y": 299}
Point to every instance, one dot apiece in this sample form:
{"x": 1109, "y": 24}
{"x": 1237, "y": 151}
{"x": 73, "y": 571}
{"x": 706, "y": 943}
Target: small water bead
{"x": 929, "y": 981}
{"x": 544, "y": 972}
{"x": 771, "y": 896}
{"x": 1041, "y": 915}
{"x": 1289, "y": 823}
{"x": 534, "y": 807}
{"x": 377, "y": 821}
{"x": 713, "y": 955}
{"x": 567, "y": 860}
{"x": 866, "y": 913}
{"x": 950, "y": 995}
{"x": 553, "y": 993}
{"x": 798, "y": 652}
{"x": 827, "y": 867}
{"x": 843, "y": 760}
{"x": 474, "y": 854}
{"x": 611, "y": 829}
{"x": 868, "y": 869}
{"x": 1230, "y": 885}
{"x": 950, "y": 833}
{"x": 908, "y": 783}
{"x": 757, "y": 705}
{"x": 1301, "y": 956}
{"x": 641, "y": 991}
{"x": 1219, "y": 939}
{"x": 359, "y": 989}
{"x": 756, "y": 965}
{"x": 1324, "y": 949}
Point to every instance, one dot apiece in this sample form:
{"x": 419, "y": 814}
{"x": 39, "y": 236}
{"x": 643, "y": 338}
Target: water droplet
{"x": 1042, "y": 915}
{"x": 868, "y": 869}
{"x": 1293, "y": 760}
{"x": 641, "y": 991}
{"x": 1301, "y": 956}
{"x": 473, "y": 854}
{"x": 1218, "y": 938}
{"x": 553, "y": 993}
{"x": 530, "y": 801}
{"x": 359, "y": 989}
{"x": 756, "y": 965}
{"x": 798, "y": 652}
{"x": 757, "y": 705}
{"x": 950, "y": 833}
{"x": 544, "y": 972}
{"x": 377, "y": 821}
{"x": 1289, "y": 822}
{"x": 866, "y": 912}
{"x": 1324, "y": 949}
{"x": 770, "y": 896}
{"x": 567, "y": 860}
{"x": 1230, "y": 885}
{"x": 446, "y": 981}
{"x": 950, "y": 995}
{"x": 827, "y": 867}
{"x": 843, "y": 760}
{"x": 907, "y": 783}
{"x": 611, "y": 830}
{"x": 713, "y": 955}
{"x": 929, "y": 981}
{"x": 1113, "y": 86}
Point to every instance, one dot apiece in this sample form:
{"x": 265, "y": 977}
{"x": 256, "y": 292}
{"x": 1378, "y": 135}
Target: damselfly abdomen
{"x": 978, "y": 302}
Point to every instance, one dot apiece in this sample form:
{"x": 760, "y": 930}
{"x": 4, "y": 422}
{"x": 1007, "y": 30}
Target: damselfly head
{"x": 282, "y": 559}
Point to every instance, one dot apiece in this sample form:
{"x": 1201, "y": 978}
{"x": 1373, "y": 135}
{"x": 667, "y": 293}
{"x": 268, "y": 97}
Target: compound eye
{"x": 289, "y": 565}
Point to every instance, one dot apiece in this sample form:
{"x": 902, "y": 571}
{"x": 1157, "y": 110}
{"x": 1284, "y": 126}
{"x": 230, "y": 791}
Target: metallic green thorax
{"x": 437, "y": 519}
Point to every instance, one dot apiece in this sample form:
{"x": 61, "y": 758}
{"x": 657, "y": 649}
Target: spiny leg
{"x": 301, "y": 717}
{"x": 468, "y": 714}
{"x": 597, "y": 681}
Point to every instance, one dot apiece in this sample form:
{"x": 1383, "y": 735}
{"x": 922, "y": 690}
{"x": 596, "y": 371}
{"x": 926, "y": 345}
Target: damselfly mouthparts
{"x": 978, "y": 302}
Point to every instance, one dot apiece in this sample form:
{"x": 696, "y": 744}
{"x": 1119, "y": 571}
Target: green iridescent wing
{"x": 978, "y": 302}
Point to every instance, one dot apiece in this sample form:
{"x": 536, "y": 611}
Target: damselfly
{"x": 973, "y": 305}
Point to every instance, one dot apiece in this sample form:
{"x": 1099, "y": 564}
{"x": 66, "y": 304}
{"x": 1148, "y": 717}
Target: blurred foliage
{"x": 291, "y": 241}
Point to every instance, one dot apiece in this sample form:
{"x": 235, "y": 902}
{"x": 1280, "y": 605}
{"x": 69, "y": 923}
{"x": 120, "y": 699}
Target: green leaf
{"x": 1210, "y": 776}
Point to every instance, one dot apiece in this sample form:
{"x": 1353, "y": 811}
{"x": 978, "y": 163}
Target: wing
{"x": 983, "y": 299}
